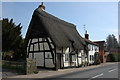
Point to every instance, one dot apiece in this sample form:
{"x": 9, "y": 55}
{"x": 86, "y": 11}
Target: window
{"x": 66, "y": 57}
{"x": 96, "y": 49}
{"x": 90, "y": 57}
{"x": 90, "y": 47}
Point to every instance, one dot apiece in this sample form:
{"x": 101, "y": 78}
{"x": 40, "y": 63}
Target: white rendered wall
{"x": 80, "y": 58}
{"x": 67, "y": 63}
{"x": 91, "y": 52}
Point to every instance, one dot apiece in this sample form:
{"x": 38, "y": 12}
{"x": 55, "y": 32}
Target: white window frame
{"x": 66, "y": 57}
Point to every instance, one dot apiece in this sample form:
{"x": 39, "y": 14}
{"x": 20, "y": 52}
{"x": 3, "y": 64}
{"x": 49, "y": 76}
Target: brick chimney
{"x": 86, "y": 35}
{"x": 42, "y": 6}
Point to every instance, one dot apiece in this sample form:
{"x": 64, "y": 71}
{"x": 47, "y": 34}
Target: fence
{"x": 19, "y": 67}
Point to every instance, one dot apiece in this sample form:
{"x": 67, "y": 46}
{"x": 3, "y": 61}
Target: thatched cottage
{"x": 54, "y": 43}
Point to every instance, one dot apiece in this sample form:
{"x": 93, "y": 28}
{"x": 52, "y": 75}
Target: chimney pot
{"x": 42, "y": 6}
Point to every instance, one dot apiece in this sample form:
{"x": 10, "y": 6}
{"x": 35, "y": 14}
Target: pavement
{"x": 50, "y": 73}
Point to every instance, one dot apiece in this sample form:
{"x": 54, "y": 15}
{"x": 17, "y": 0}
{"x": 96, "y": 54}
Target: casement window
{"x": 91, "y": 47}
{"x": 91, "y": 57}
{"x": 96, "y": 49}
{"x": 66, "y": 57}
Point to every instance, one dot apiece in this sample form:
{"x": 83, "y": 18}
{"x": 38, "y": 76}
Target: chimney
{"x": 86, "y": 35}
{"x": 42, "y": 6}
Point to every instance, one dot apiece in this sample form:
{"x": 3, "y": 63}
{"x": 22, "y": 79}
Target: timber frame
{"x": 44, "y": 40}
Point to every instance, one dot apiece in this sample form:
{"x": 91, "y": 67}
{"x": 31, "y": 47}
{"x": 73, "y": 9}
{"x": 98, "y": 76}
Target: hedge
{"x": 114, "y": 57}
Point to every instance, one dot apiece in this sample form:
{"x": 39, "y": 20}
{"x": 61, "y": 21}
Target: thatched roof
{"x": 62, "y": 33}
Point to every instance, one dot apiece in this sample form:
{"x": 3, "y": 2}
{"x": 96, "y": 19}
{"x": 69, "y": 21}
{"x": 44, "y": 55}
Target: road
{"x": 104, "y": 72}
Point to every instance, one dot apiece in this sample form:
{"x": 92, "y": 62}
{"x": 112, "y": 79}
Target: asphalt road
{"x": 106, "y": 72}
{"x": 109, "y": 72}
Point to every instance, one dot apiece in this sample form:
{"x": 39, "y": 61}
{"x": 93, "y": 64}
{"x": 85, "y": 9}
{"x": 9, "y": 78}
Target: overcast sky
{"x": 100, "y": 18}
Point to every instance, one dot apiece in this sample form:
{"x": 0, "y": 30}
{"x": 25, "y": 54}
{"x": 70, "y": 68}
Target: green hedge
{"x": 114, "y": 57}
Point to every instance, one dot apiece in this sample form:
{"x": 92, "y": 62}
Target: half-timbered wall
{"x": 76, "y": 58}
{"x": 68, "y": 59}
{"x": 39, "y": 49}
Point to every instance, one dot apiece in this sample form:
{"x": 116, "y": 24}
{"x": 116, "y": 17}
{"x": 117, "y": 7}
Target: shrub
{"x": 114, "y": 57}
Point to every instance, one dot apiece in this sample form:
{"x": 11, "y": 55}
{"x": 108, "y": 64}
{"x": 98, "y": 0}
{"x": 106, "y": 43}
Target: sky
{"x": 100, "y": 18}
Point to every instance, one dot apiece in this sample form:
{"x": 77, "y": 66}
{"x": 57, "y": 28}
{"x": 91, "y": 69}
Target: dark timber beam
{"x": 56, "y": 61}
{"x": 44, "y": 52}
{"x": 33, "y": 52}
{"x": 77, "y": 59}
{"x": 51, "y": 50}
{"x": 29, "y": 48}
{"x": 38, "y": 45}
